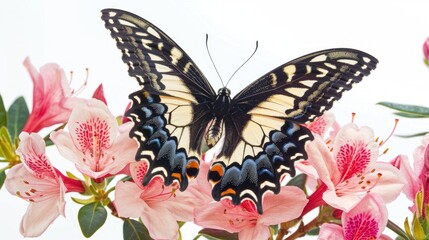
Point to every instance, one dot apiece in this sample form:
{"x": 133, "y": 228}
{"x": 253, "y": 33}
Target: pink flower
{"x": 426, "y": 50}
{"x": 52, "y": 98}
{"x": 417, "y": 180}
{"x": 158, "y": 206}
{"x": 95, "y": 142}
{"x": 37, "y": 182}
{"x": 350, "y": 171}
{"x": 244, "y": 218}
{"x": 367, "y": 220}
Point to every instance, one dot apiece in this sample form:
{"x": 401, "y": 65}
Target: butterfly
{"x": 259, "y": 132}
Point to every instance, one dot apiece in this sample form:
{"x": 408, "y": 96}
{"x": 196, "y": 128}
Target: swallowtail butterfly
{"x": 177, "y": 113}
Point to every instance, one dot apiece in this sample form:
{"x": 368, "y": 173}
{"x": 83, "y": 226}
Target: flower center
{"x": 360, "y": 183}
{"x": 93, "y": 138}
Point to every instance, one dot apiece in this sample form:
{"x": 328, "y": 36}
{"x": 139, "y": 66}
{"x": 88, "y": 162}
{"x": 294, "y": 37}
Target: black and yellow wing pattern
{"x": 260, "y": 128}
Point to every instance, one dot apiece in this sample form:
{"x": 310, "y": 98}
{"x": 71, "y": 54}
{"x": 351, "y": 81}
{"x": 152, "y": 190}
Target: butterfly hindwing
{"x": 173, "y": 100}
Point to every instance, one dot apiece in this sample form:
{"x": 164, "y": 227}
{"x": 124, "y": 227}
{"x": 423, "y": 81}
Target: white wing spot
{"x": 153, "y": 32}
{"x": 319, "y": 58}
{"x": 330, "y": 65}
{"x": 357, "y": 73}
{"x": 290, "y": 72}
{"x": 348, "y": 61}
{"x": 367, "y": 60}
{"x": 273, "y": 79}
{"x": 322, "y": 71}
{"x": 176, "y": 55}
{"x": 126, "y": 23}
{"x": 308, "y": 68}
{"x": 112, "y": 14}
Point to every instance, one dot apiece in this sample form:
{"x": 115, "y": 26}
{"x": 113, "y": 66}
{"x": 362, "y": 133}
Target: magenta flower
{"x": 244, "y": 218}
{"x": 95, "y": 142}
{"x": 36, "y": 181}
{"x": 367, "y": 220}
{"x": 159, "y": 207}
{"x": 350, "y": 171}
{"x": 52, "y": 97}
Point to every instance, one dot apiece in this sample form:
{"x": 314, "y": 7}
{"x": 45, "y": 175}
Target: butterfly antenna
{"x": 256, "y": 48}
{"x": 211, "y": 59}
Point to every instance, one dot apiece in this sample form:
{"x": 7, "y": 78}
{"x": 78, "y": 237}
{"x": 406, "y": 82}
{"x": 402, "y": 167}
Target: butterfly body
{"x": 258, "y": 134}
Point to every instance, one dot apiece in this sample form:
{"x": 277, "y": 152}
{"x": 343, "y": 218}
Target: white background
{"x": 72, "y": 35}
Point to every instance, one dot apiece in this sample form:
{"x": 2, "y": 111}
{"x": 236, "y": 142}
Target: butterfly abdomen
{"x": 214, "y": 132}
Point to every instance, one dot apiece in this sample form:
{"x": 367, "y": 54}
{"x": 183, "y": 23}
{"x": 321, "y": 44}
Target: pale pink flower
{"x": 322, "y": 124}
{"x": 244, "y": 218}
{"x": 36, "y": 181}
{"x": 159, "y": 207}
{"x": 351, "y": 171}
{"x": 95, "y": 142}
{"x": 52, "y": 97}
{"x": 365, "y": 221}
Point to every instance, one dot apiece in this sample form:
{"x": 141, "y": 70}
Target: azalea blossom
{"x": 426, "y": 51}
{"x": 367, "y": 220}
{"x": 244, "y": 218}
{"x": 39, "y": 183}
{"x": 94, "y": 141}
{"x": 351, "y": 171}
{"x": 52, "y": 97}
{"x": 159, "y": 207}
{"x": 417, "y": 179}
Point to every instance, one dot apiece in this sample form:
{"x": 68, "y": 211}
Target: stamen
{"x": 83, "y": 86}
{"x": 353, "y": 117}
{"x": 391, "y": 133}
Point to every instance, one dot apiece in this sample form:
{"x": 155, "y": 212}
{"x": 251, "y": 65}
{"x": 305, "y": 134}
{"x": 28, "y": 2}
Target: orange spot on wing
{"x": 227, "y": 192}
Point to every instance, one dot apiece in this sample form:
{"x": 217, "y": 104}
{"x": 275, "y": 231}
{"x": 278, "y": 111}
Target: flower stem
{"x": 396, "y": 229}
{"x": 302, "y": 229}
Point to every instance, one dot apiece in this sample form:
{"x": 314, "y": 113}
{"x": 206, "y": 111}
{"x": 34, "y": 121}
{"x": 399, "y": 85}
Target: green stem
{"x": 395, "y": 228}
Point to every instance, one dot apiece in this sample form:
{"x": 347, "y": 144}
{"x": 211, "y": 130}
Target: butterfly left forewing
{"x": 265, "y": 137}
{"x": 171, "y": 110}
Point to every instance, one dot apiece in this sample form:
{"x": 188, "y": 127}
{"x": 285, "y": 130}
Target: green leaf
{"x": 214, "y": 234}
{"x": 410, "y": 115}
{"x": 413, "y": 135}
{"x": 18, "y": 115}
{"x": 3, "y": 114}
{"x": 135, "y": 230}
{"x": 2, "y": 177}
{"x": 298, "y": 181}
{"x": 314, "y": 232}
{"x": 414, "y": 109}
{"x": 91, "y": 217}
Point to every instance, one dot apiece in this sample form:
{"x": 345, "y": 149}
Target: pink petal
{"x": 329, "y": 231}
{"x": 426, "y": 49}
{"x": 91, "y": 122}
{"x": 257, "y": 232}
{"x": 282, "y": 207}
{"x": 322, "y": 124}
{"x": 122, "y": 151}
{"x": 39, "y": 216}
{"x": 344, "y": 202}
{"x": 391, "y": 182}
{"x": 160, "y": 223}
{"x": 412, "y": 185}
{"x": 66, "y": 147}
{"x": 138, "y": 170}
{"x": 215, "y": 215}
{"x": 32, "y": 151}
{"x": 50, "y": 92}
{"x": 321, "y": 159}
{"x": 355, "y": 150}
{"x": 367, "y": 220}
{"x": 99, "y": 94}
{"x": 127, "y": 200}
